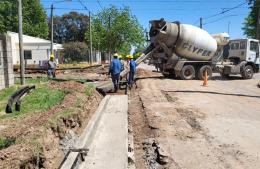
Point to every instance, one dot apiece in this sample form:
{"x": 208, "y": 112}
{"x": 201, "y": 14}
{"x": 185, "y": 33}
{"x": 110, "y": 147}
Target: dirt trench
{"x": 149, "y": 127}
{"x": 140, "y": 128}
{"x": 147, "y": 151}
{"x": 42, "y": 139}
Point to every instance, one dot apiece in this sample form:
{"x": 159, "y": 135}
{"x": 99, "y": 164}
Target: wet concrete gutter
{"x": 87, "y": 135}
{"x": 105, "y": 136}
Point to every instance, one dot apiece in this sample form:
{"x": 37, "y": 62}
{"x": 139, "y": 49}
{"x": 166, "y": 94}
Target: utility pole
{"x": 200, "y": 23}
{"x": 228, "y": 27}
{"x": 109, "y": 26}
{"x": 258, "y": 24}
{"x": 52, "y": 8}
{"x": 52, "y": 28}
{"x": 20, "y": 18}
{"x": 90, "y": 40}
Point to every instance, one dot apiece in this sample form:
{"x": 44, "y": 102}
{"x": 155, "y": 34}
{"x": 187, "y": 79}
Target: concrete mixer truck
{"x": 186, "y": 51}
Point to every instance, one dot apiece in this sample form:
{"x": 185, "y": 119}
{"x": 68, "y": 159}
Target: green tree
{"x": 251, "y": 21}
{"x": 138, "y": 51}
{"x": 34, "y": 18}
{"x": 75, "y": 51}
{"x": 70, "y": 27}
{"x": 116, "y": 30}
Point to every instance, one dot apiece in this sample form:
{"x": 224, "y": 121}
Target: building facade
{"x": 36, "y": 50}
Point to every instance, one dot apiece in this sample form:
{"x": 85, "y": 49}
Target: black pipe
{"x": 16, "y": 98}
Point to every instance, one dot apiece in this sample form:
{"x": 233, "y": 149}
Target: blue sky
{"x": 185, "y": 11}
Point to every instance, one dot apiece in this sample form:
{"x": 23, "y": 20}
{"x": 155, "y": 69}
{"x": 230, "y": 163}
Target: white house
{"x": 36, "y": 50}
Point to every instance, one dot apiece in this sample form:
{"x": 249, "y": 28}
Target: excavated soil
{"x": 39, "y": 136}
{"x": 140, "y": 128}
{"x": 98, "y": 73}
{"x": 194, "y": 130}
{"x": 147, "y": 151}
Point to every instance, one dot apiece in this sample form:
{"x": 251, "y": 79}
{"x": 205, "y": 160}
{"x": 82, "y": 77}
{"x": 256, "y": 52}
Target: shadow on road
{"x": 226, "y": 79}
{"x": 231, "y": 78}
{"x": 208, "y": 92}
{"x": 152, "y": 77}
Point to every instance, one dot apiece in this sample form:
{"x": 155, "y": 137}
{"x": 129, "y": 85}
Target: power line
{"x": 100, "y": 4}
{"x": 221, "y": 13}
{"x": 225, "y": 11}
{"x": 174, "y": 9}
{"x": 84, "y": 6}
{"x": 227, "y": 16}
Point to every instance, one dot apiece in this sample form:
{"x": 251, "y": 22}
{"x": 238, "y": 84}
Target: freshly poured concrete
{"x": 109, "y": 146}
{"x": 105, "y": 137}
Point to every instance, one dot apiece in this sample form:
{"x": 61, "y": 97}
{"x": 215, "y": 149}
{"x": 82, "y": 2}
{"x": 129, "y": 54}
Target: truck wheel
{"x": 202, "y": 71}
{"x": 187, "y": 72}
{"x": 247, "y": 72}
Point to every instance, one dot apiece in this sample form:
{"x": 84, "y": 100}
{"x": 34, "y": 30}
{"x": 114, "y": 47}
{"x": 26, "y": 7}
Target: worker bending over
{"x": 132, "y": 65}
{"x": 51, "y": 67}
{"x": 114, "y": 70}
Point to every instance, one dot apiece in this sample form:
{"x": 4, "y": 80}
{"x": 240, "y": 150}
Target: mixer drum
{"x": 189, "y": 42}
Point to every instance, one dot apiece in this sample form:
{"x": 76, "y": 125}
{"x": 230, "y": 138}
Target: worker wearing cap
{"x": 114, "y": 70}
{"x": 51, "y": 67}
{"x": 132, "y": 65}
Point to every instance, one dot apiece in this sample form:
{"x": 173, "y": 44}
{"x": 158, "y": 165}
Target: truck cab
{"x": 246, "y": 50}
{"x": 244, "y": 56}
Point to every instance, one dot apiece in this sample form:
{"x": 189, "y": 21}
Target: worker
{"x": 132, "y": 65}
{"x": 114, "y": 70}
{"x": 51, "y": 67}
{"x": 122, "y": 63}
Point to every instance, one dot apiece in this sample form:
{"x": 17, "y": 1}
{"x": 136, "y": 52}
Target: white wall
{"x": 39, "y": 53}
{"x": 40, "y": 48}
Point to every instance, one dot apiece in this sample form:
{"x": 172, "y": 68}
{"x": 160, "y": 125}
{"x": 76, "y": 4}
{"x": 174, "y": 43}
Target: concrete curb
{"x": 88, "y": 134}
{"x": 108, "y": 148}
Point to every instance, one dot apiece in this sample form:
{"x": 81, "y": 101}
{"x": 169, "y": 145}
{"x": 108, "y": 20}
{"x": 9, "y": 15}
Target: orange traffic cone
{"x": 205, "y": 80}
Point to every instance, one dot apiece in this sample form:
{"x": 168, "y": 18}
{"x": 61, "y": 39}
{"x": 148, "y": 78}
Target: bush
{"x": 75, "y": 52}
{"x": 6, "y": 142}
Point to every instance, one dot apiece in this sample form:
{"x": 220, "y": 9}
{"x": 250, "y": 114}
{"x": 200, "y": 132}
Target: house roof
{"x": 33, "y": 40}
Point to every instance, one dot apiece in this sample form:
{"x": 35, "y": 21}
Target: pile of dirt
{"x": 38, "y": 136}
{"x": 68, "y": 86}
{"x": 98, "y": 73}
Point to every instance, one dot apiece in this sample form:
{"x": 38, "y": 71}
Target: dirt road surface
{"x": 181, "y": 124}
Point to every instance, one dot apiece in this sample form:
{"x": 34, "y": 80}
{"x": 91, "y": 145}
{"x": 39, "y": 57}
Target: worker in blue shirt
{"x": 132, "y": 65}
{"x": 114, "y": 70}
